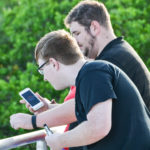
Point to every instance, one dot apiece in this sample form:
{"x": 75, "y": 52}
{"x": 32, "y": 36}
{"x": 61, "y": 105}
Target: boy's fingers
{"x": 53, "y": 101}
{"x": 22, "y": 101}
{"x": 31, "y": 110}
{"x": 37, "y": 94}
{"x": 27, "y": 105}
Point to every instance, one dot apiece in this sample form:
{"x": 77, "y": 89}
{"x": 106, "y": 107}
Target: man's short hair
{"x": 59, "y": 45}
{"x": 87, "y": 11}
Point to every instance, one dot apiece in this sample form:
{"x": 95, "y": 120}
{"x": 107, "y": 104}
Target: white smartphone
{"x": 31, "y": 98}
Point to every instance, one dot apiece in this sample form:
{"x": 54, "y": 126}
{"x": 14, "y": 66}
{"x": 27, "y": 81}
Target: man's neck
{"x": 105, "y": 39}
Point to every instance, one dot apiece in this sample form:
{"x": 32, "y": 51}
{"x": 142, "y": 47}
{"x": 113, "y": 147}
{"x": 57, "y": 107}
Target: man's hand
{"x": 47, "y": 104}
{"x": 53, "y": 141}
{"x": 21, "y": 120}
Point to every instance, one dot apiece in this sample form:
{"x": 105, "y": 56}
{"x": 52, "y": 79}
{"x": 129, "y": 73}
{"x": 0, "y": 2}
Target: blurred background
{"x": 24, "y": 22}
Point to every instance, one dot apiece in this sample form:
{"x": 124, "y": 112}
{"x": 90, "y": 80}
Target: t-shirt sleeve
{"x": 96, "y": 87}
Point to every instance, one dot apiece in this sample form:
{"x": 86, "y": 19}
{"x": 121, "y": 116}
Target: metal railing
{"x": 28, "y": 138}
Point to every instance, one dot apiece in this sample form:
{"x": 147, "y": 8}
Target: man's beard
{"x": 89, "y": 50}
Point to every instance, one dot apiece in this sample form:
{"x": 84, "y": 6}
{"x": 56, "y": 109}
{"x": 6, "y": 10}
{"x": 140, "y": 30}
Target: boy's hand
{"x": 21, "y": 120}
{"x": 53, "y": 141}
{"x": 47, "y": 104}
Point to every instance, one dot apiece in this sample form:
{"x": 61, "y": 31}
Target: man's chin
{"x": 83, "y": 52}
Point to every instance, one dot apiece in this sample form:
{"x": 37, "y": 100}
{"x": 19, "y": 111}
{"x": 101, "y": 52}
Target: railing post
{"x": 41, "y": 145}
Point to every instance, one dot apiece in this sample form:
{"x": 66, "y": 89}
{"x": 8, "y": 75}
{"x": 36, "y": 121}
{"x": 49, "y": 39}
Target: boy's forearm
{"x": 80, "y": 136}
{"x": 95, "y": 128}
{"x": 61, "y": 115}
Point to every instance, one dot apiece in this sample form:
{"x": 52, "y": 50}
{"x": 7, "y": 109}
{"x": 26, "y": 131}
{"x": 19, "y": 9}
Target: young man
{"x": 108, "y": 107}
{"x": 90, "y": 25}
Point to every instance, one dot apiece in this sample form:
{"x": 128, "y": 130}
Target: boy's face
{"x": 51, "y": 72}
{"x": 84, "y": 39}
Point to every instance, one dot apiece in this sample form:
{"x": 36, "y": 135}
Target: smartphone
{"x": 48, "y": 130}
{"x": 28, "y": 95}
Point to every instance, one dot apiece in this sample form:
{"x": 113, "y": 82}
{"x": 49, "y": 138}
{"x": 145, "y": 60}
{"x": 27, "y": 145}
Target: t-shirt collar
{"x": 109, "y": 45}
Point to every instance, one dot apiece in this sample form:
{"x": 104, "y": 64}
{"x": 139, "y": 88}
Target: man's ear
{"x": 95, "y": 28}
{"x": 55, "y": 63}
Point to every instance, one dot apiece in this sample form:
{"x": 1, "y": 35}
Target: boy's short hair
{"x": 59, "y": 45}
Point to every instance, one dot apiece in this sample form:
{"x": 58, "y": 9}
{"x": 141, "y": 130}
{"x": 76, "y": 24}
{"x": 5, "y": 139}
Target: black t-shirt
{"x": 97, "y": 82}
{"x": 120, "y": 53}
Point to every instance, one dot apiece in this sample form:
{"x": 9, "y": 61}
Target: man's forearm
{"x": 61, "y": 115}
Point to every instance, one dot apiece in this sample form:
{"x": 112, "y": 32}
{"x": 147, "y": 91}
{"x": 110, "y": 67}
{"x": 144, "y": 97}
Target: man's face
{"x": 84, "y": 39}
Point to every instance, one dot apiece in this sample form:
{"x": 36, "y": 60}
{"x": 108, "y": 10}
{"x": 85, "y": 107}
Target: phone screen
{"x": 29, "y": 96}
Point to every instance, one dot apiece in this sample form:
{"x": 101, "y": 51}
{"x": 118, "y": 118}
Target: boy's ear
{"x": 95, "y": 28}
{"x": 54, "y": 63}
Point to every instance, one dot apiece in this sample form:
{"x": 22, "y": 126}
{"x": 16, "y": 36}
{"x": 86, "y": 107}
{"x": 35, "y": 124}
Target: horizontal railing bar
{"x": 25, "y": 139}
{"x": 21, "y": 140}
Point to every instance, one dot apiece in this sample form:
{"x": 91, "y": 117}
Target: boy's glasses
{"x": 40, "y": 70}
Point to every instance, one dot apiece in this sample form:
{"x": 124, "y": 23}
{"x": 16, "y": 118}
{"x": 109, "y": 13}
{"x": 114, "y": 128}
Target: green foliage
{"x": 131, "y": 19}
{"x": 24, "y": 22}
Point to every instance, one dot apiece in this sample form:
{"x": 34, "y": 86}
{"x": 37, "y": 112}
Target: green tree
{"x": 24, "y": 22}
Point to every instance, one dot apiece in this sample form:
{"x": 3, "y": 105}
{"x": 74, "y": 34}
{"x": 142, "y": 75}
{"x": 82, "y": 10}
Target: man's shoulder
{"x": 119, "y": 49}
{"x": 121, "y": 54}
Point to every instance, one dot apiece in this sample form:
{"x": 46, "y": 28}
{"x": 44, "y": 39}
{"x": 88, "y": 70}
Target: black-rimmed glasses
{"x": 41, "y": 70}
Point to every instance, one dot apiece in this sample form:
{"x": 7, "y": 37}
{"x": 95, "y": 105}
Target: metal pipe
{"x": 41, "y": 145}
{"x": 25, "y": 139}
